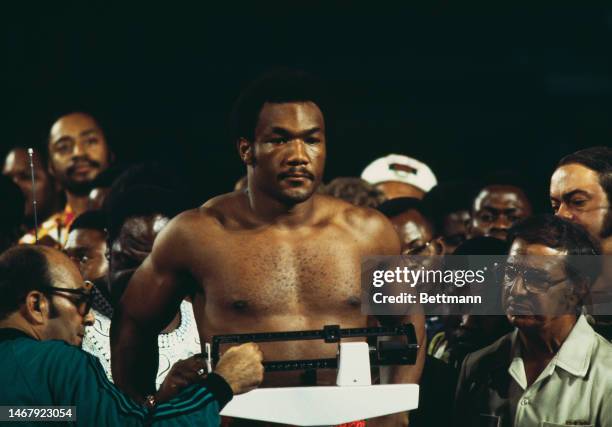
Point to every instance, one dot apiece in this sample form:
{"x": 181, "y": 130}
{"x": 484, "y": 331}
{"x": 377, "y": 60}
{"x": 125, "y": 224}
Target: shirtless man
{"x": 277, "y": 257}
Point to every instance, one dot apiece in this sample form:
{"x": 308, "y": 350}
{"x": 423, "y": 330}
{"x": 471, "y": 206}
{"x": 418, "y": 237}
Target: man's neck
{"x": 606, "y": 246}
{"x": 17, "y": 322}
{"x": 270, "y": 210}
{"x": 547, "y": 340}
{"x": 77, "y": 203}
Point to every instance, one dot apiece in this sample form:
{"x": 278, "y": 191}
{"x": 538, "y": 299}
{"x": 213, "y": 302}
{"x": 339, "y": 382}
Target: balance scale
{"x": 353, "y": 398}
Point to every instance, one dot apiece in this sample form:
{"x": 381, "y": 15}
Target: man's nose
{"x": 564, "y": 212}
{"x": 78, "y": 149}
{"x": 502, "y": 223}
{"x": 518, "y": 287}
{"x": 297, "y": 153}
{"x": 89, "y": 318}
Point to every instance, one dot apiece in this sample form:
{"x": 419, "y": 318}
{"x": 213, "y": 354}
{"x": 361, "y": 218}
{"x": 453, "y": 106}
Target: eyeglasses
{"x": 83, "y": 299}
{"x": 535, "y": 281}
{"x": 421, "y": 249}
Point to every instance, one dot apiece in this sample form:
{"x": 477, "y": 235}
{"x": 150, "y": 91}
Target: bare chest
{"x": 268, "y": 273}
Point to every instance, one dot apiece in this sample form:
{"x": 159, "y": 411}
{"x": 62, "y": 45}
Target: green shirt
{"x": 34, "y": 372}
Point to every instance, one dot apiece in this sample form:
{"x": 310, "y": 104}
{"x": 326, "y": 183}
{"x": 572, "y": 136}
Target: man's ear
{"x": 36, "y": 308}
{"x": 581, "y": 290}
{"x": 245, "y": 150}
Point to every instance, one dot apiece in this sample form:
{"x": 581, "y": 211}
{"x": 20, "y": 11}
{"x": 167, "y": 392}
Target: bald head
{"x": 43, "y": 294}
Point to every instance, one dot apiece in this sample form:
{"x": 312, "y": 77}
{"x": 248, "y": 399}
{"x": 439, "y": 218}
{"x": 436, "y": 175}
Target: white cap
{"x": 396, "y": 167}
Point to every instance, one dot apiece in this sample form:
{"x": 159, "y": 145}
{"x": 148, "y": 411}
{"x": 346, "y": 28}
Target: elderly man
{"x": 43, "y": 314}
{"x": 553, "y": 369}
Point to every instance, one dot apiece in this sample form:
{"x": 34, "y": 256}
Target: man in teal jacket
{"x": 44, "y": 309}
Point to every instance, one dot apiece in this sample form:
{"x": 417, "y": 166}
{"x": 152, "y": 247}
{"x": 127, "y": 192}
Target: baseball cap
{"x": 397, "y": 167}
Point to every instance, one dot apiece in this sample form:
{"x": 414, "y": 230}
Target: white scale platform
{"x": 353, "y": 399}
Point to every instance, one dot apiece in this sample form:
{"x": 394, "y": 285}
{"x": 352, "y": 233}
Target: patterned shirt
{"x": 179, "y": 344}
{"x": 56, "y": 227}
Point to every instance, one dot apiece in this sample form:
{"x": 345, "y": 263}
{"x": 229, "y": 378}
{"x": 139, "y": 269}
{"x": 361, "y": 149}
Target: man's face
{"x": 67, "y": 323}
{"x": 288, "y": 154}
{"x": 396, "y": 189}
{"x": 455, "y": 229}
{"x": 414, "y": 231}
{"x": 536, "y": 287}
{"x": 17, "y": 167}
{"x": 132, "y": 246}
{"x": 87, "y": 247}
{"x": 576, "y": 195}
{"x": 496, "y": 209}
{"x": 77, "y": 152}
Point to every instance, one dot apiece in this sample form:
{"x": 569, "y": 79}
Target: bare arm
{"x": 389, "y": 245}
{"x": 148, "y": 304}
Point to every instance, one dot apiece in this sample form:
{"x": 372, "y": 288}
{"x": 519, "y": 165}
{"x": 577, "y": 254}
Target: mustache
{"x": 521, "y": 302}
{"x": 297, "y": 171}
{"x": 80, "y": 162}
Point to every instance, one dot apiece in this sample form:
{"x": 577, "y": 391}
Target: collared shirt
{"x": 55, "y": 227}
{"x": 575, "y": 388}
{"x": 571, "y": 390}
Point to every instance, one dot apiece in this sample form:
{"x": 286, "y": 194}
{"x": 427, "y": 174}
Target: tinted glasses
{"x": 81, "y": 298}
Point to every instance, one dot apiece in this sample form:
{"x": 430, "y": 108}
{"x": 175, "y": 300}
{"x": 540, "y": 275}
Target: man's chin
{"x": 524, "y": 321}
{"x": 80, "y": 188}
{"x": 295, "y": 196}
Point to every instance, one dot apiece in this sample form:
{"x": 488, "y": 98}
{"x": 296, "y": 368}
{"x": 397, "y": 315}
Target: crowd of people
{"x": 111, "y": 280}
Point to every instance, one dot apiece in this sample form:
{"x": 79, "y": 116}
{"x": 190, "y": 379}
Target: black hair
{"x": 278, "y": 86}
{"x": 448, "y": 197}
{"x": 148, "y": 174}
{"x": 598, "y": 159}
{"x": 482, "y": 245}
{"x": 97, "y": 116}
{"x": 397, "y": 206}
{"x": 355, "y": 191}
{"x": 140, "y": 201}
{"x": 506, "y": 178}
{"x": 107, "y": 177}
{"x": 23, "y": 269}
{"x": 561, "y": 234}
{"x": 91, "y": 220}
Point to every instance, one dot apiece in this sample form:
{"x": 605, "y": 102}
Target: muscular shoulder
{"x": 212, "y": 214}
{"x": 364, "y": 224}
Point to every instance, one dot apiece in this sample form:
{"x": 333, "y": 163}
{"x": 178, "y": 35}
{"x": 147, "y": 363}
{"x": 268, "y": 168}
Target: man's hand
{"x": 182, "y": 374}
{"x": 241, "y": 367}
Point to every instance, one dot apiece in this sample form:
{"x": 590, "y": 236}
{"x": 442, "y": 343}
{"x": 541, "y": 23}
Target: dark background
{"x": 467, "y": 90}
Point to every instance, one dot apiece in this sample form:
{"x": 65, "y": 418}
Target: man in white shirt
{"x": 553, "y": 369}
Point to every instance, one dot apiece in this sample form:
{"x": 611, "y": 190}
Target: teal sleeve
{"x": 77, "y": 378}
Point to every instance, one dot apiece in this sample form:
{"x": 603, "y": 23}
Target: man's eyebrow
{"x": 491, "y": 209}
{"x": 64, "y": 138}
{"x": 285, "y": 132}
{"x": 575, "y": 192}
{"x": 88, "y": 131}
